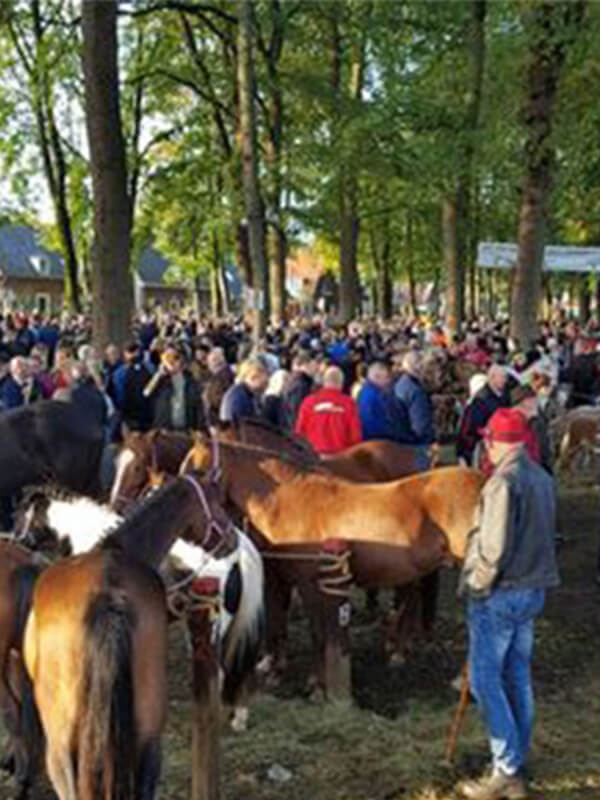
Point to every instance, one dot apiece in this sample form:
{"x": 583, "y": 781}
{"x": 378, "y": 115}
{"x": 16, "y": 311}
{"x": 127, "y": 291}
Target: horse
{"x": 74, "y": 524}
{"x": 142, "y": 458}
{"x": 396, "y": 532}
{"x": 95, "y": 646}
{"x": 366, "y": 462}
{"x": 18, "y": 573}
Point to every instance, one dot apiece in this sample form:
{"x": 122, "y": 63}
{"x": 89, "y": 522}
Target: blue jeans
{"x": 422, "y": 461}
{"x": 500, "y": 651}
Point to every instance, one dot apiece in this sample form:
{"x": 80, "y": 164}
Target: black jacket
{"x": 194, "y": 411}
{"x": 86, "y": 394}
{"x": 300, "y": 386}
{"x": 273, "y": 410}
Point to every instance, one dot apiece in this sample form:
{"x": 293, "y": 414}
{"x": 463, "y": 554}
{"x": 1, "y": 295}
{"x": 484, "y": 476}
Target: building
{"x": 150, "y": 284}
{"x": 31, "y": 276}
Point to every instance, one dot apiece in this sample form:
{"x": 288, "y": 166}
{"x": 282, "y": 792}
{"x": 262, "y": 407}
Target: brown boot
{"x": 497, "y": 786}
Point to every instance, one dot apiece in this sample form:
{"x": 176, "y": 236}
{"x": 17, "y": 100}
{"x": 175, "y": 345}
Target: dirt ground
{"x": 389, "y": 744}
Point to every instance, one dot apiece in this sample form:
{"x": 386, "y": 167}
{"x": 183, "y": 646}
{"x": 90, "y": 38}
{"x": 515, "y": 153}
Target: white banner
{"x": 503, "y": 255}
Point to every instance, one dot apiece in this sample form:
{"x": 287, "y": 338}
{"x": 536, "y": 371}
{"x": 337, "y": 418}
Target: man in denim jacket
{"x": 510, "y": 563}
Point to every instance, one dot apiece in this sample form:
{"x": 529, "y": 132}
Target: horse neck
{"x": 149, "y": 533}
{"x": 243, "y": 480}
{"x": 171, "y": 449}
{"x": 82, "y": 522}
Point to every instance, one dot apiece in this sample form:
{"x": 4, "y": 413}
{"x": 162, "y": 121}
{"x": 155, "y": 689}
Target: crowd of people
{"x": 337, "y": 386}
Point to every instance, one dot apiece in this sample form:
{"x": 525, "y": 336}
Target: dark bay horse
{"x": 18, "y": 573}
{"x": 396, "y": 532}
{"x": 96, "y": 642}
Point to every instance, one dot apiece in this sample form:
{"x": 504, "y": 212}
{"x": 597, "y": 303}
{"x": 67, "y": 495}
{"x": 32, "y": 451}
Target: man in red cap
{"x": 509, "y": 565}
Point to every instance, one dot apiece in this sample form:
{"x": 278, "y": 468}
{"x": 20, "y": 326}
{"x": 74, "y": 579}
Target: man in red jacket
{"x": 329, "y": 418}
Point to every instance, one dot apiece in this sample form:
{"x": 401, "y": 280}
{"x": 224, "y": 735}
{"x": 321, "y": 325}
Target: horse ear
{"x": 156, "y": 478}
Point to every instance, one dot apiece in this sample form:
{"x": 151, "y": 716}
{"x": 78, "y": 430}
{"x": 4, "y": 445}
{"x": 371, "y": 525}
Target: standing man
{"x": 376, "y": 404}
{"x": 329, "y": 418}
{"x": 176, "y": 395}
{"x": 490, "y": 398}
{"x": 300, "y": 385}
{"x": 415, "y": 409}
{"x": 218, "y": 382}
{"x": 129, "y": 381}
{"x": 509, "y": 565}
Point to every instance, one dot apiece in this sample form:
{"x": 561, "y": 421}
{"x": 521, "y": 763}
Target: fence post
{"x": 335, "y": 580}
{"x": 202, "y": 624}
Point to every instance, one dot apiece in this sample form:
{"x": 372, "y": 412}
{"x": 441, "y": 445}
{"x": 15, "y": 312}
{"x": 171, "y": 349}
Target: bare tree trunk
{"x": 456, "y": 210}
{"x": 249, "y": 151}
{"x": 410, "y": 266}
{"x": 584, "y": 300}
{"x": 551, "y": 24}
{"x": 112, "y": 283}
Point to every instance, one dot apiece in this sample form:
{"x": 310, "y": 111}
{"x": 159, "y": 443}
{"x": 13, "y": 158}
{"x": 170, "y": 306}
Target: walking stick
{"x": 459, "y": 714}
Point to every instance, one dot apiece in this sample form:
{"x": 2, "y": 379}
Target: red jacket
{"x": 329, "y": 420}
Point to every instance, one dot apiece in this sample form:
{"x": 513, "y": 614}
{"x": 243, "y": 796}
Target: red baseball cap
{"x": 507, "y": 425}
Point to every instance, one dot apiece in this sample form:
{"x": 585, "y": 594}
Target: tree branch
{"x": 199, "y": 9}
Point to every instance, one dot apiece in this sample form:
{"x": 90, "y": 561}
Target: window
{"x": 42, "y": 302}
{"x": 41, "y": 264}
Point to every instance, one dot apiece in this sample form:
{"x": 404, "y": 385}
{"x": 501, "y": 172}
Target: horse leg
{"x": 240, "y": 712}
{"x": 402, "y": 623}
{"x": 148, "y": 771}
{"x": 429, "y": 587}
{"x": 313, "y": 607}
{"x": 60, "y": 770}
{"x": 25, "y": 731}
{"x": 278, "y": 595}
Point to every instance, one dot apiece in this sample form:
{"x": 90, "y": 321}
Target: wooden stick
{"x": 459, "y": 714}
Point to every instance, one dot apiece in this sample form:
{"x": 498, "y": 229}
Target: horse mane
{"x": 303, "y": 465}
{"x": 301, "y": 445}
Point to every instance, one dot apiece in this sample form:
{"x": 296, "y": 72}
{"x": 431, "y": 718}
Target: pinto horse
{"x": 74, "y": 524}
{"x": 95, "y": 646}
{"x": 18, "y": 573}
{"x": 396, "y": 532}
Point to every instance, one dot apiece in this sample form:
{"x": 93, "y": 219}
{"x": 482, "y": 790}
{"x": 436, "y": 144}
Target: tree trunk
{"x": 249, "y": 151}
{"x": 584, "y": 300}
{"x": 216, "y": 301}
{"x": 112, "y": 283}
{"x": 457, "y": 205}
{"x": 410, "y": 267}
{"x": 551, "y": 26}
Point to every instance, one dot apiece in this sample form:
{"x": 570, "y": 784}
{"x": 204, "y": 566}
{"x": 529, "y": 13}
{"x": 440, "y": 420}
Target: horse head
{"x": 32, "y": 527}
{"x": 134, "y": 465}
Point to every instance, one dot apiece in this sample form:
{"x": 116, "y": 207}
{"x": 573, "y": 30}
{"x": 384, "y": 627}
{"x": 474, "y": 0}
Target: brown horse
{"x": 96, "y": 643}
{"x": 366, "y": 462}
{"x": 18, "y": 573}
{"x": 396, "y": 532}
{"x": 142, "y": 458}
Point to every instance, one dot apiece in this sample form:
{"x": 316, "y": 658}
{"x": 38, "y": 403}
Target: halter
{"x": 215, "y": 472}
{"x": 212, "y": 523}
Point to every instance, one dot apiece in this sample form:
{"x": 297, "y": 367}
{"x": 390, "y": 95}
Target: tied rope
{"x": 330, "y": 584}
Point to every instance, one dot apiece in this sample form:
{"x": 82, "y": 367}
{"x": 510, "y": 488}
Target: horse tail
{"x": 24, "y": 580}
{"x": 244, "y": 637}
{"x": 107, "y": 733}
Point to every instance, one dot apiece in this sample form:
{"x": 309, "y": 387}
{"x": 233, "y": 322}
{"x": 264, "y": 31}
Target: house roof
{"x": 19, "y": 244}
{"x": 152, "y": 267}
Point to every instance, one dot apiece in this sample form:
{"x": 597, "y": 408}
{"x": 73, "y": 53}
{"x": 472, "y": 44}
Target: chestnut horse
{"x": 18, "y": 573}
{"x": 95, "y": 647}
{"x": 396, "y": 532}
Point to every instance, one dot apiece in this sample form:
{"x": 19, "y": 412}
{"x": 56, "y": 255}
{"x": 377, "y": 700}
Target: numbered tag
{"x": 344, "y": 613}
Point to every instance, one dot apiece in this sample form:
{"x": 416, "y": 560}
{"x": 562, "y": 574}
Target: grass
{"x": 389, "y": 744}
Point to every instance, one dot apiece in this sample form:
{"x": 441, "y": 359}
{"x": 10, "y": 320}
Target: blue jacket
{"x": 415, "y": 411}
{"x": 378, "y": 412}
{"x": 11, "y": 393}
{"x": 238, "y": 402}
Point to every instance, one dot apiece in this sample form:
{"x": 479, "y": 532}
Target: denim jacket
{"x": 512, "y": 543}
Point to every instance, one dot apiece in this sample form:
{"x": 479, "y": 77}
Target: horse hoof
{"x": 397, "y": 660}
{"x": 7, "y": 764}
{"x": 265, "y": 665}
{"x": 317, "y": 696}
{"x": 239, "y": 721}
{"x": 272, "y": 680}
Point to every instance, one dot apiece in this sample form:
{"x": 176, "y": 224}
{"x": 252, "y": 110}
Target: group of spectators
{"x": 333, "y": 385}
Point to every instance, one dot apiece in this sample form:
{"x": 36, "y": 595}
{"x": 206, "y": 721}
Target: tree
{"x": 44, "y": 58}
{"x": 249, "y": 152}
{"x": 112, "y": 284}
{"x": 551, "y": 27}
